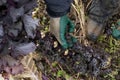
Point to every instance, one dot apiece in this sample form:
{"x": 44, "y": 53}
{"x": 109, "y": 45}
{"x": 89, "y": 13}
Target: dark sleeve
{"x": 57, "y": 8}
{"x": 102, "y": 10}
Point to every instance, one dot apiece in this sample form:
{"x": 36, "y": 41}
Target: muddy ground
{"x": 98, "y": 61}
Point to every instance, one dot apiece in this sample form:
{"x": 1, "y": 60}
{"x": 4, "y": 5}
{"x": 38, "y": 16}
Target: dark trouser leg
{"x": 101, "y": 10}
{"x": 57, "y": 8}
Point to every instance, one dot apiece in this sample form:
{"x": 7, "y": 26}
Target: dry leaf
{"x": 30, "y": 69}
{"x": 17, "y": 69}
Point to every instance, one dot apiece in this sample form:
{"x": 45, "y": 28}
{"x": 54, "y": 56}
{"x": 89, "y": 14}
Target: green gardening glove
{"x": 58, "y": 27}
{"x": 116, "y": 30}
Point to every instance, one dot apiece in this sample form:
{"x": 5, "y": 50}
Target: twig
{"x": 79, "y": 8}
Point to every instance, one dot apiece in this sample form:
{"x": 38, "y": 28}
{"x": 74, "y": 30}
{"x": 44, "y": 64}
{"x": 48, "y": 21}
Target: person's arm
{"x": 58, "y": 8}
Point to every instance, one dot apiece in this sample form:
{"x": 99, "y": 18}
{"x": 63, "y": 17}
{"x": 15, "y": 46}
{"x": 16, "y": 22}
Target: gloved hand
{"x": 58, "y": 27}
{"x": 116, "y": 30}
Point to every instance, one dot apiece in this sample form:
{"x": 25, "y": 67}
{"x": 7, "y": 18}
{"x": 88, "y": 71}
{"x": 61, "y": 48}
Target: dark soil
{"x": 91, "y": 62}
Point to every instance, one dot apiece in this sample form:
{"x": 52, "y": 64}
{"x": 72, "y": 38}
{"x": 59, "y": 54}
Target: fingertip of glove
{"x": 65, "y": 46}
